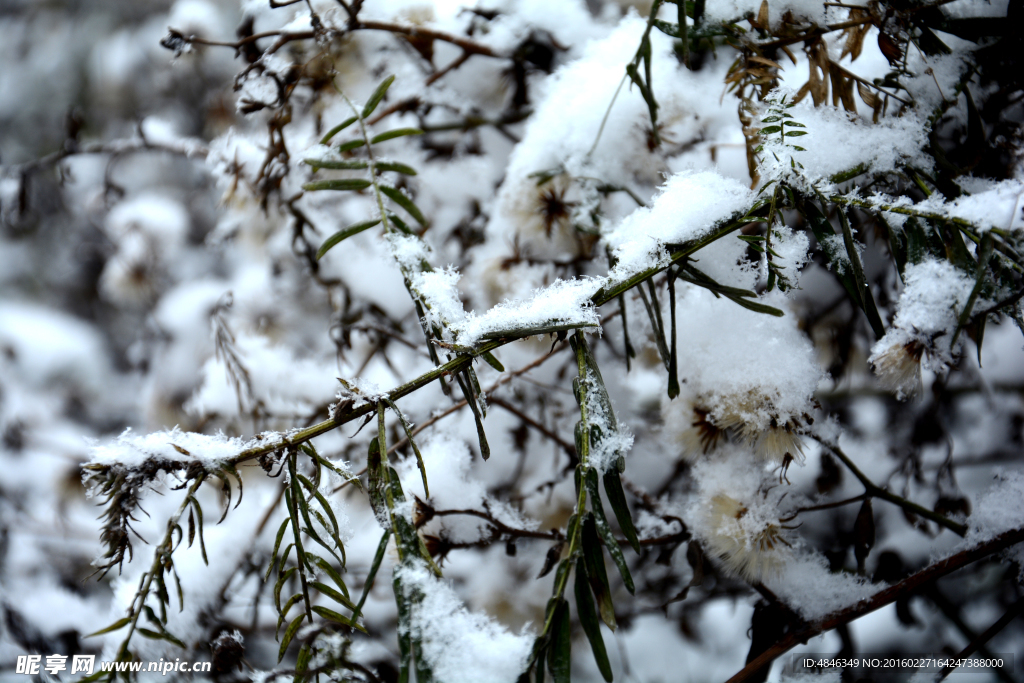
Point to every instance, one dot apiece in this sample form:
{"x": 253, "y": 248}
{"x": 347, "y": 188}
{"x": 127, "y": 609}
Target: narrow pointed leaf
{"x": 617, "y": 499}
{"x": 605, "y": 532}
{"x": 377, "y": 559}
{"x": 341, "y": 235}
{"x": 337, "y": 184}
{"x": 377, "y": 96}
{"x": 396, "y": 167}
{"x": 120, "y": 623}
{"x": 396, "y": 133}
{"x": 588, "y": 619}
{"x": 596, "y": 573}
{"x": 289, "y": 633}
{"x": 339, "y": 164}
{"x": 560, "y": 650}
{"x": 398, "y": 197}
{"x": 337, "y": 129}
{"x": 492, "y": 361}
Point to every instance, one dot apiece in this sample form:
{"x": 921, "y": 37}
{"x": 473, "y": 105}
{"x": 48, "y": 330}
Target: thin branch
{"x": 469, "y": 46}
{"x": 569, "y": 449}
{"x": 979, "y": 642}
{"x": 876, "y": 491}
{"x": 880, "y": 599}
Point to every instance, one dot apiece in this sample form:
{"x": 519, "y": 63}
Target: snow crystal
{"x": 131, "y": 450}
{"x": 460, "y": 646}
{"x": 999, "y": 205}
{"x": 732, "y": 10}
{"x": 736, "y": 360}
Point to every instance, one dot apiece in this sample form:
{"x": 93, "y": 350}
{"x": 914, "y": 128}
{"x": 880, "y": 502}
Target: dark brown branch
{"x": 979, "y": 642}
{"x": 468, "y": 46}
{"x": 563, "y": 444}
{"x": 881, "y": 599}
{"x": 501, "y": 527}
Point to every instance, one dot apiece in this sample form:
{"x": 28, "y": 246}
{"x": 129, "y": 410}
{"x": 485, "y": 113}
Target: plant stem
{"x": 875, "y": 491}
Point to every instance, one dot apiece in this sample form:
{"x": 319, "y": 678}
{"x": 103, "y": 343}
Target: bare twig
{"x": 881, "y": 599}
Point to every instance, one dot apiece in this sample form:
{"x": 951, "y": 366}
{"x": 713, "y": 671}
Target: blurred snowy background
{"x": 157, "y": 270}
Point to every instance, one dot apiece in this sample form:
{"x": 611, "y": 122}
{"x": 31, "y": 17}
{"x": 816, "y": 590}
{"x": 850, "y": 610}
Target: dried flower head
{"x": 749, "y": 542}
{"x": 701, "y": 425}
{"x": 898, "y": 367}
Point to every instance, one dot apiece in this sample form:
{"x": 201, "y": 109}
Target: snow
{"x": 460, "y": 646}
{"x": 998, "y": 509}
{"x": 807, "y": 586}
{"x": 838, "y": 141}
{"x": 926, "y": 315}
{"x": 688, "y": 206}
{"x": 183, "y": 448}
{"x": 115, "y": 266}
{"x": 276, "y": 381}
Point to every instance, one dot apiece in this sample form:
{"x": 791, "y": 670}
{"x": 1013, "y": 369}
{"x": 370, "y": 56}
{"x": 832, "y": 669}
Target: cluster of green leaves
{"x": 588, "y": 532}
{"x": 373, "y": 169}
{"x": 778, "y": 117}
{"x": 434, "y": 335}
{"x": 310, "y": 516}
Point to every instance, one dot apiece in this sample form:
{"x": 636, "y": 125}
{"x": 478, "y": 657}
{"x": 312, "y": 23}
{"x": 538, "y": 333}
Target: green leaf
{"x": 768, "y": 130}
{"x": 796, "y": 133}
{"x": 594, "y": 558}
{"x": 771, "y": 119}
{"x": 605, "y": 532}
{"x": 350, "y": 145}
{"x": 617, "y": 499}
{"x": 120, "y": 623}
{"x": 492, "y": 361}
{"x": 377, "y": 96}
{"x": 398, "y": 197}
{"x": 396, "y": 167}
{"x": 337, "y": 184}
{"x": 333, "y": 594}
{"x": 333, "y": 573}
{"x": 560, "y": 650}
{"x": 199, "y": 517}
{"x": 377, "y": 559}
{"x": 284, "y": 576}
{"x": 289, "y": 633}
{"x": 343, "y": 164}
{"x": 396, "y": 133}
{"x": 376, "y": 485}
{"x": 334, "y": 616}
{"x": 404, "y": 629}
{"x": 412, "y": 442}
{"x": 337, "y": 129}
{"x": 588, "y": 619}
{"x": 302, "y": 660}
{"x": 155, "y": 635}
{"x": 284, "y": 611}
{"x": 341, "y": 235}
